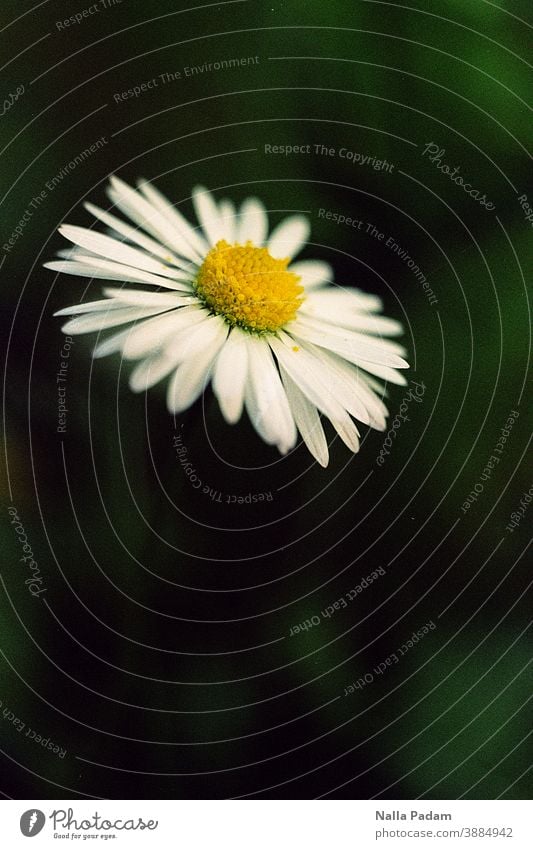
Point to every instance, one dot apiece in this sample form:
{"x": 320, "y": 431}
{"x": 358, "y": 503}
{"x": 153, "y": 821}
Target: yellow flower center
{"x": 249, "y": 287}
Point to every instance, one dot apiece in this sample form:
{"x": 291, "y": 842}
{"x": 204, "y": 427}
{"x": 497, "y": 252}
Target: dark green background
{"x": 160, "y": 655}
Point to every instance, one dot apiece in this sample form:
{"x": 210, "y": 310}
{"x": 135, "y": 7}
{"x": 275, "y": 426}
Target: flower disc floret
{"x": 248, "y": 287}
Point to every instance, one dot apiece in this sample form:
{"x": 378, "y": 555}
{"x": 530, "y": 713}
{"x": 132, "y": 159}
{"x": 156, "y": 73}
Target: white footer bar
{"x": 267, "y": 824}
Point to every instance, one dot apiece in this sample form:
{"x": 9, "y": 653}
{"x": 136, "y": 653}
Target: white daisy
{"x": 231, "y": 306}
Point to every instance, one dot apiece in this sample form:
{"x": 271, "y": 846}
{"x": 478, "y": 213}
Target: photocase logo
{"x": 32, "y": 822}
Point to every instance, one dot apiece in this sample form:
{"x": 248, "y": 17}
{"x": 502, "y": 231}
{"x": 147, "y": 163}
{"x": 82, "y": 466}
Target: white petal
{"x": 112, "y": 344}
{"x": 158, "y": 199}
{"x": 296, "y": 364}
{"x": 377, "y": 325}
{"x": 158, "y": 332}
{"x": 342, "y": 386}
{"x": 95, "y": 322}
{"x": 159, "y": 363}
{"x": 150, "y": 371}
{"x": 353, "y": 319}
{"x": 253, "y": 223}
{"x": 193, "y": 375}
{"x": 227, "y": 216}
{"x": 230, "y": 374}
{"x": 347, "y": 432}
{"x": 313, "y": 272}
{"x": 289, "y": 237}
{"x": 353, "y": 346}
{"x": 307, "y": 420}
{"x": 90, "y": 306}
{"x": 195, "y": 337}
{"x": 346, "y": 299}
{"x": 266, "y": 400}
{"x": 114, "y": 250}
{"x": 137, "y": 297}
{"x": 134, "y": 235}
{"x": 136, "y": 207}
{"x": 149, "y": 337}
{"x": 253, "y": 414}
{"x": 375, "y": 410}
{"x": 375, "y": 385}
{"x": 102, "y": 269}
{"x": 208, "y": 214}
{"x": 82, "y": 255}
{"x": 73, "y": 252}
{"x": 315, "y": 390}
{"x": 385, "y": 373}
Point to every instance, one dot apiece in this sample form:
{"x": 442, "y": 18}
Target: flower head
{"x": 229, "y": 305}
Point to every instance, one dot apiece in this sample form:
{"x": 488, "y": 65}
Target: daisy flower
{"x": 228, "y": 304}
